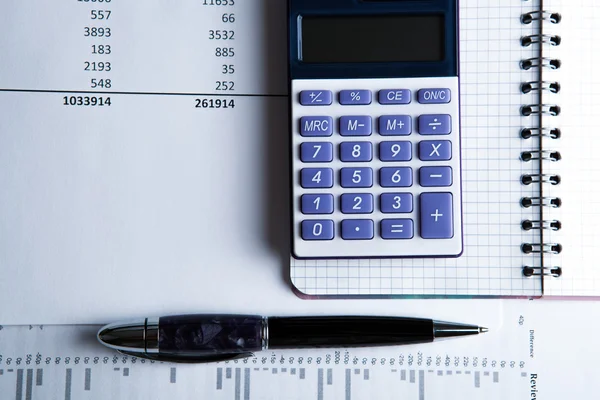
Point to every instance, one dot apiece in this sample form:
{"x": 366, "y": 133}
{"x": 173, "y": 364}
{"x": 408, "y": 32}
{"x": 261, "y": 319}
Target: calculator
{"x": 375, "y": 129}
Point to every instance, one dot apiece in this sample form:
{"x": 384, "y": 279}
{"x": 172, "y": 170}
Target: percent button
{"x": 355, "y": 97}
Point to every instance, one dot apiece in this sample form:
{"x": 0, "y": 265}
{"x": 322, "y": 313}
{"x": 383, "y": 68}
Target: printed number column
{"x": 222, "y": 38}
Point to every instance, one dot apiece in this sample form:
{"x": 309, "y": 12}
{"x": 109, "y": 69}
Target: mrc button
{"x": 434, "y": 96}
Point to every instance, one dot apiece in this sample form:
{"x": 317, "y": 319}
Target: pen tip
{"x": 483, "y": 330}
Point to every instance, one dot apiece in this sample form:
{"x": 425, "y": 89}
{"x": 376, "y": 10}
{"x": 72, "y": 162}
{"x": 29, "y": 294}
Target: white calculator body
{"x": 375, "y": 129}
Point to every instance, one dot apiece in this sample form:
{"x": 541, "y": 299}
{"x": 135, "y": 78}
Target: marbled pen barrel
{"x": 199, "y": 335}
{"x": 299, "y": 332}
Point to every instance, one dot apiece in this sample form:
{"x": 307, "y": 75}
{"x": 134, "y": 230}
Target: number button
{"x": 316, "y": 152}
{"x": 317, "y": 204}
{"x": 356, "y": 177}
{"x": 317, "y": 230}
{"x": 395, "y": 151}
{"x": 356, "y": 151}
{"x": 359, "y": 125}
{"x": 317, "y": 178}
{"x": 435, "y": 150}
{"x": 396, "y": 203}
{"x": 357, "y": 203}
{"x": 357, "y": 229}
{"x": 316, "y": 97}
{"x": 397, "y": 229}
{"x": 316, "y": 126}
{"x": 395, "y": 177}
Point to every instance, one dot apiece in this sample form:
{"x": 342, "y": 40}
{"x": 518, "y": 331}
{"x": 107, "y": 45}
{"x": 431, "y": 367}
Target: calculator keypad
{"x": 376, "y": 168}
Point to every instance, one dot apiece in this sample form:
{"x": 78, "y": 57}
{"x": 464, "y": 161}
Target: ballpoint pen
{"x": 218, "y": 337}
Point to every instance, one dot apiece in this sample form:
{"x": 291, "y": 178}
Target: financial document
{"x": 530, "y": 354}
{"x": 144, "y": 157}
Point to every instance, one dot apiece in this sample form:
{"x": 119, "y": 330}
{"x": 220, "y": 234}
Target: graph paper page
{"x": 579, "y": 101}
{"x": 492, "y": 261}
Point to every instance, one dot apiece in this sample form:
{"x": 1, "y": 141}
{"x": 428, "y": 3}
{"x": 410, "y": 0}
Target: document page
{"x": 525, "y": 355}
{"x": 143, "y": 151}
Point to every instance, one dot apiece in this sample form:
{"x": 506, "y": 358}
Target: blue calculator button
{"x": 435, "y": 124}
{"x": 397, "y": 229}
{"x": 317, "y": 203}
{"x": 316, "y": 97}
{"x": 394, "y": 96}
{"x": 316, "y": 152}
{"x": 357, "y": 203}
{"x": 434, "y": 96}
{"x": 317, "y": 230}
{"x": 395, "y": 125}
{"x": 317, "y": 178}
{"x": 435, "y": 176}
{"x": 355, "y": 97}
{"x": 395, "y": 177}
{"x": 316, "y": 126}
{"x": 357, "y": 229}
{"x": 436, "y": 216}
{"x": 356, "y": 177}
{"x": 396, "y": 203}
{"x": 359, "y": 125}
{"x": 356, "y": 151}
{"x": 435, "y": 150}
{"x": 395, "y": 151}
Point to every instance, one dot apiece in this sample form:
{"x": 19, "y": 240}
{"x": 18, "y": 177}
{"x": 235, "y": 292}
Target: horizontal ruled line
{"x": 142, "y": 93}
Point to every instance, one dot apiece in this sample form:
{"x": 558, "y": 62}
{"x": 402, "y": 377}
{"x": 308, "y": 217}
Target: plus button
{"x": 437, "y": 214}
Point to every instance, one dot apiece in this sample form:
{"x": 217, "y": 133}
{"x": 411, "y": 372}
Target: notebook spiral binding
{"x": 527, "y": 133}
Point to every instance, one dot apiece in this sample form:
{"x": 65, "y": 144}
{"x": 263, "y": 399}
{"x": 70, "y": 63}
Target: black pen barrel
{"x": 307, "y": 332}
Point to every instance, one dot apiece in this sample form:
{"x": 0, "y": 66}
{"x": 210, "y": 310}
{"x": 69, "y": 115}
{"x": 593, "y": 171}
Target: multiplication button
{"x": 435, "y": 150}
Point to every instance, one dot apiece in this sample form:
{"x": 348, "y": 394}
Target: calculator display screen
{"x": 350, "y": 39}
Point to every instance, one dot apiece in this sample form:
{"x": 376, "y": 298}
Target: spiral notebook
{"x": 529, "y": 95}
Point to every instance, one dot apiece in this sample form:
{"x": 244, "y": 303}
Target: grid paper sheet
{"x": 492, "y": 262}
{"x": 579, "y": 99}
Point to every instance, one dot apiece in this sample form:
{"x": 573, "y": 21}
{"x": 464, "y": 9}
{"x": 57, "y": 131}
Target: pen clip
{"x": 188, "y": 359}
